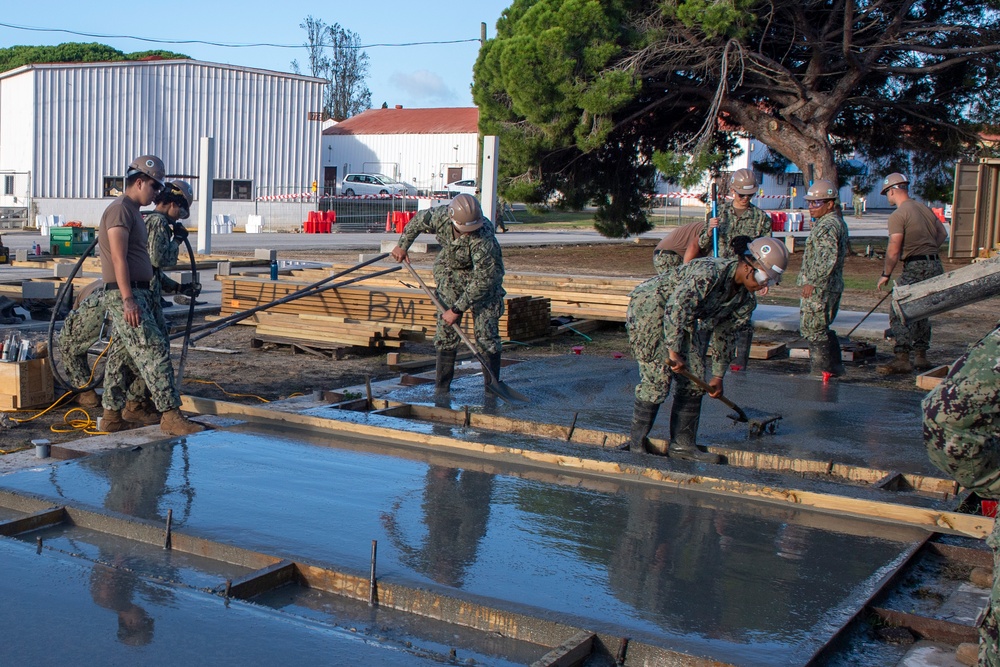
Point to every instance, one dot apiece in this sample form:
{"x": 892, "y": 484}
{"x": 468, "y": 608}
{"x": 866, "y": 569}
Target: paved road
{"x": 872, "y": 225}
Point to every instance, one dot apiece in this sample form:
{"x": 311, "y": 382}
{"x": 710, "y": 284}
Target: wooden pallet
{"x": 932, "y": 378}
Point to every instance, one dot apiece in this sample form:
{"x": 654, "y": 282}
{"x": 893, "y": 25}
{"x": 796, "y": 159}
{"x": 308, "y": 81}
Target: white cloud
{"x": 423, "y": 85}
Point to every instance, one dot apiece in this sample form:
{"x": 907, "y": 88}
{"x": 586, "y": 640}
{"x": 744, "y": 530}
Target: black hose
{"x": 64, "y": 289}
{"x": 308, "y": 290}
{"x": 218, "y": 325}
{"x": 190, "y": 318}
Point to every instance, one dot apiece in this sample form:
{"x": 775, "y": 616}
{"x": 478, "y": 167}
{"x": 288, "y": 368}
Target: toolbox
{"x": 70, "y": 240}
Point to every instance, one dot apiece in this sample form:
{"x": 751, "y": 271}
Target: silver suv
{"x": 373, "y": 184}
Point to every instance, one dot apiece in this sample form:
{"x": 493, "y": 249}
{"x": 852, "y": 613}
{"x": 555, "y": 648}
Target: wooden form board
{"x": 524, "y": 317}
{"x": 928, "y": 519}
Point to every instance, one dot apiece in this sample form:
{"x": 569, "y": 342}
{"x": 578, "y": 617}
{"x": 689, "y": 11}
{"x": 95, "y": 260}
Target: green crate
{"x": 70, "y": 240}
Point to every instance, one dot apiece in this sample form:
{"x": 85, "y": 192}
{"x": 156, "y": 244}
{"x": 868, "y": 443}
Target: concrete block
{"x": 38, "y": 289}
{"x": 225, "y": 269}
{"x": 62, "y": 270}
{"x": 265, "y": 253}
{"x": 21, "y": 255}
{"x": 364, "y": 257}
{"x": 418, "y": 247}
{"x": 790, "y": 244}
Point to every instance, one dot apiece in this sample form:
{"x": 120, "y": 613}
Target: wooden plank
{"x": 572, "y": 652}
{"x": 925, "y": 518}
{"x": 35, "y": 521}
{"x": 932, "y": 629}
{"x": 263, "y": 580}
{"x": 932, "y": 378}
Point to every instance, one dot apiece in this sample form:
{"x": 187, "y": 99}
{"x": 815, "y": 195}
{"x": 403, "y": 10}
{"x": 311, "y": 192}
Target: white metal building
{"x": 427, "y": 148}
{"x": 68, "y": 132}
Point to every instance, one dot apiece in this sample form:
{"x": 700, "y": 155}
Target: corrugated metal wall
{"x": 419, "y": 159}
{"x": 16, "y": 123}
{"x": 92, "y": 120}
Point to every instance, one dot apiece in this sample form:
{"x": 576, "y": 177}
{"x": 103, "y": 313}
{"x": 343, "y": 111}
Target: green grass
{"x": 553, "y": 219}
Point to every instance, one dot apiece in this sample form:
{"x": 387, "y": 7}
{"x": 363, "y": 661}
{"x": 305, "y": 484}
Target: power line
{"x": 228, "y": 45}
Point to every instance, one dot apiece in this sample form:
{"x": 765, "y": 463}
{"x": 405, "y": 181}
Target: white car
{"x": 464, "y": 187}
{"x": 373, "y": 184}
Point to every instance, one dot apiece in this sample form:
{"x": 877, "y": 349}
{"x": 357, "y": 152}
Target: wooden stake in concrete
{"x": 166, "y": 539}
{"x": 372, "y": 589}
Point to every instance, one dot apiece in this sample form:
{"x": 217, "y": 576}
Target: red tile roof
{"x": 454, "y": 120}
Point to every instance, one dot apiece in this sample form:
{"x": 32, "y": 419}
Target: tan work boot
{"x": 88, "y": 399}
{"x": 920, "y": 361}
{"x": 901, "y": 364}
{"x": 136, "y": 411}
{"x": 172, "y": 422}
{"x": 112, "y": 422}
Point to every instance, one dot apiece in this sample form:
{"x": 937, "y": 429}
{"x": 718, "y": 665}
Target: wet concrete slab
{"x": 838, "y": 421}
{"x": 736, "y": 580}
{"x": 70, "y": 610}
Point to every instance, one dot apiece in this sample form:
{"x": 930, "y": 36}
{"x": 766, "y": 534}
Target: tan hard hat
{"x": 150, "y": 165}
{"x": 743, "y": 181}
{"x": 771, "y": 254}
{"x": 820, "y": 190}
{"x": 184, "y": 189}
{"x": 465, "y": 213}
{"x": 893, "y": 180}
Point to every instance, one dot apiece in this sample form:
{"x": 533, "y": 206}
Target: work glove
{"x": 180, "y": 232}
{"x": 190, "y": 289}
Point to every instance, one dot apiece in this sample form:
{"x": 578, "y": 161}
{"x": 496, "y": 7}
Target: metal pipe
{"x": 166, "y": 539}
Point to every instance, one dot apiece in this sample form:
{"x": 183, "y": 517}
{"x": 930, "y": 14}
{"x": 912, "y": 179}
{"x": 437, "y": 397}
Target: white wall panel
{"x": 91, "y": 120}
{"x": 421, "y": 159}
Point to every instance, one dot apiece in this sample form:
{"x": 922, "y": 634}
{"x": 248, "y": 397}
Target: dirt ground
{"x": 273, "y": 372}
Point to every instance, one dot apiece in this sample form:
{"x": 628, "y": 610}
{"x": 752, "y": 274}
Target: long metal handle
{"x": 704, "y": 385}
{"x": 868, "y": 313}
{"x": 458, "y": 329}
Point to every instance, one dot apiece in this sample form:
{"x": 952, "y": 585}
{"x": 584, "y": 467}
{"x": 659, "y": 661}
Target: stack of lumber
{"x": 583, "y": 297}
{"x": 327, "y": 331}
{"x": 524, "y": 317}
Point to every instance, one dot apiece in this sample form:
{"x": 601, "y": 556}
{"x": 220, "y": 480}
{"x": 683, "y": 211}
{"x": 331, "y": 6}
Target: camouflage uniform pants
{"x": 655, "y": 376}
{"x": 816, "y": 314}
{"x": 485, "y": 322}
{"x": 666, "y": 260}
{"x": 80, "y": 330}
{"x": 146, "y": 347}
{"x": 915, "y": 335}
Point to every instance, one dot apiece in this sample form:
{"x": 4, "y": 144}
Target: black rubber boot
{"x": 836, "y": 356}
{"x": 445, "y": 371}
{"x": 643, "y": 416}
{"x": 684, "y": 417}
{"x": 494, "y": 360}
{"x": 819, "y": 358}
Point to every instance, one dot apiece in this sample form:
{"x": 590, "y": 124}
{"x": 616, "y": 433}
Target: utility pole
{"x": 479, "y": 134}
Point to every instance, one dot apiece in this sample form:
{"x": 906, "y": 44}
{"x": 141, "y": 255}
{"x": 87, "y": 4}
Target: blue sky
{"x": 414, "y": 76}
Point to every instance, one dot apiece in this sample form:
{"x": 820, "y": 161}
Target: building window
{"x": 8, "y": 185}
{"x": 113, "y": 186}
{"x": 227, "y": 189}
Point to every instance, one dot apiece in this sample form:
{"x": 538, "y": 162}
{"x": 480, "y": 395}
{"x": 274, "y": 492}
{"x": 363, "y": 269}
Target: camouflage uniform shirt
{"x": 664, "y": 311}
{"x": 752, "y": 222}
{"x": 163, "y": 251}
{"x": 469, "y": 275}
{"x": 962, "y": 436}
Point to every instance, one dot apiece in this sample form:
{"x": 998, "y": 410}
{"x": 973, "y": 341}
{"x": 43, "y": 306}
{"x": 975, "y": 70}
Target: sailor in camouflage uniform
{"x": 127, "y": 272}
{"x": 738, "y": 217}
{"x": 469, "y": 275}
{"x": 710, "y": 294}
{"x": 962, "y": 436}
{"x": 915, "y": 235}
{"x": 822, "y": 278}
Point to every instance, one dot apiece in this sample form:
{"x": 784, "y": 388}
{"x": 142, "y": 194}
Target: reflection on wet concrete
{"x": 853, "y": 424}
{"x": 73, "y": 612}
{"x": 744, "y": 582}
